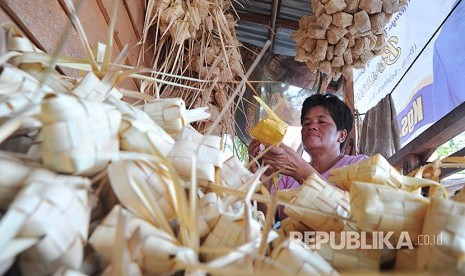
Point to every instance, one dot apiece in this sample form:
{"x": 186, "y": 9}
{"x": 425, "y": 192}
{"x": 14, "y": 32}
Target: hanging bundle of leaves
{"x": 196, "y": 39}
{"x": 343, "y": 34}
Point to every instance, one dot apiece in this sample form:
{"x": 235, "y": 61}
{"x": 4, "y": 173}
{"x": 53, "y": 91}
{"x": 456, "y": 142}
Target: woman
{"x": 326, "y": 124}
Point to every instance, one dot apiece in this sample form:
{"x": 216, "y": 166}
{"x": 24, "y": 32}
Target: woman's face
{"x": 319, "y": 130}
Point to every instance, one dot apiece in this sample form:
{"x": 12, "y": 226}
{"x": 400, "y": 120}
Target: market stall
{"x": 113, "y": 118}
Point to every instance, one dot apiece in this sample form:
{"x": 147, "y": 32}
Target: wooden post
{"x": 351, "y": 146}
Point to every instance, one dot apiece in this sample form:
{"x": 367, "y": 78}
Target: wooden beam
{"x": 447, "y": 172}
{"x": 275, "y": 8}
{"x": 265, "y": 20}
{"x": 437, "y": 134}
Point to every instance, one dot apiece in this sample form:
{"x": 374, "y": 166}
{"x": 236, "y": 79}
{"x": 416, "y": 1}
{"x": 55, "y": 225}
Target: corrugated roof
{"x": 257, "y": 33}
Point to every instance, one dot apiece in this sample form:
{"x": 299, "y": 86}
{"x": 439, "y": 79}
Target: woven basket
{"x": 316, "y": 194}
{"x": 383, "y": 208}
{"x": 444, "y": 225}
{"x": 79, "y": 137}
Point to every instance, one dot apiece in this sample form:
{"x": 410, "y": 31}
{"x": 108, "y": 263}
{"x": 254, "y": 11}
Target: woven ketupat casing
{"x": 346, "y": 259}
{"x": 19, "y": 89}
{"x": 292, "y": 258}
{"x": 79, "y": 137}
{"x": 155, "y": 251}
{"x": 271, "y": 129}
{"x": 383, "y": 208}
{"x": 139, "y": 133}
{"x": 171, "y": 114}
{"x": 229, "y": 232}
{"x": 444, "y": 226}
{"x": 209, "y": 158}
{"x": 57, "y": 216}
{"x": 143, "y": 189}
{"x": 234, "y": 174}
{"x": 376, "y": 170}
{"x": 330, "y": 203}
{"x": 210, "y": 208}
{"x": 407, "y": 260}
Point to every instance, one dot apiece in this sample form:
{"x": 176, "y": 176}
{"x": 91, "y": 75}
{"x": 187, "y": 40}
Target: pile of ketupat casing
{"x": 91, "y": 184}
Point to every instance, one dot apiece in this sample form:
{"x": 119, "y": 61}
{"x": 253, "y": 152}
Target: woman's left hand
{"x": 288, "y": 162}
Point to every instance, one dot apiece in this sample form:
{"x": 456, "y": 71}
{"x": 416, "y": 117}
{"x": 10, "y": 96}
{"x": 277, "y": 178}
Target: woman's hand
{"x": 288, "y": 162}
{"x": 254, "y": 150}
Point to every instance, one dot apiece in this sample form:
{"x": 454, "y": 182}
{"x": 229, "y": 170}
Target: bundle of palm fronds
{"x": 196, "y": 39}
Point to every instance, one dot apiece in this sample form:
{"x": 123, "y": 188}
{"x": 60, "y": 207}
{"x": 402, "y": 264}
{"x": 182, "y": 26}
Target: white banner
{"x": 407, "y": 33}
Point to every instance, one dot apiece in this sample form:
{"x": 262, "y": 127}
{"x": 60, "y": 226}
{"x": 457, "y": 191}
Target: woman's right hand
{"x": 254, "y": 151}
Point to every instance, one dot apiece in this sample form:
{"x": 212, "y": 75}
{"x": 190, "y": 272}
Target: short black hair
{"x": 339, "y": 111}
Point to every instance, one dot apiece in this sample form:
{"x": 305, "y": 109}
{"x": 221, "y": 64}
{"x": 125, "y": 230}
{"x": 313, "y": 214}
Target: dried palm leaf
{"x": 443, "y": 225}
{"x": 19, "y": 46}
{"x": 189, "y": 133}
{"x": 144, "y": 190}
{"x": 79, "y": 137}
{"x": 317, "y": 194}
{"x": 92, "y": 88}
{"x": 196, "y": 39}
{"x": 383, "y": 208}
{"x": 121, "y": 261}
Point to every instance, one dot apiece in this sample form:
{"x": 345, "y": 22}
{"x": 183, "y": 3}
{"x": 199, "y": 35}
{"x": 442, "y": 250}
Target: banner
{"x": 425, "y": 78}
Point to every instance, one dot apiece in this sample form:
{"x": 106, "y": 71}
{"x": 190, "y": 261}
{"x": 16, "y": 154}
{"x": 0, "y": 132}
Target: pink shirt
{"x": 287, "y": 182}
